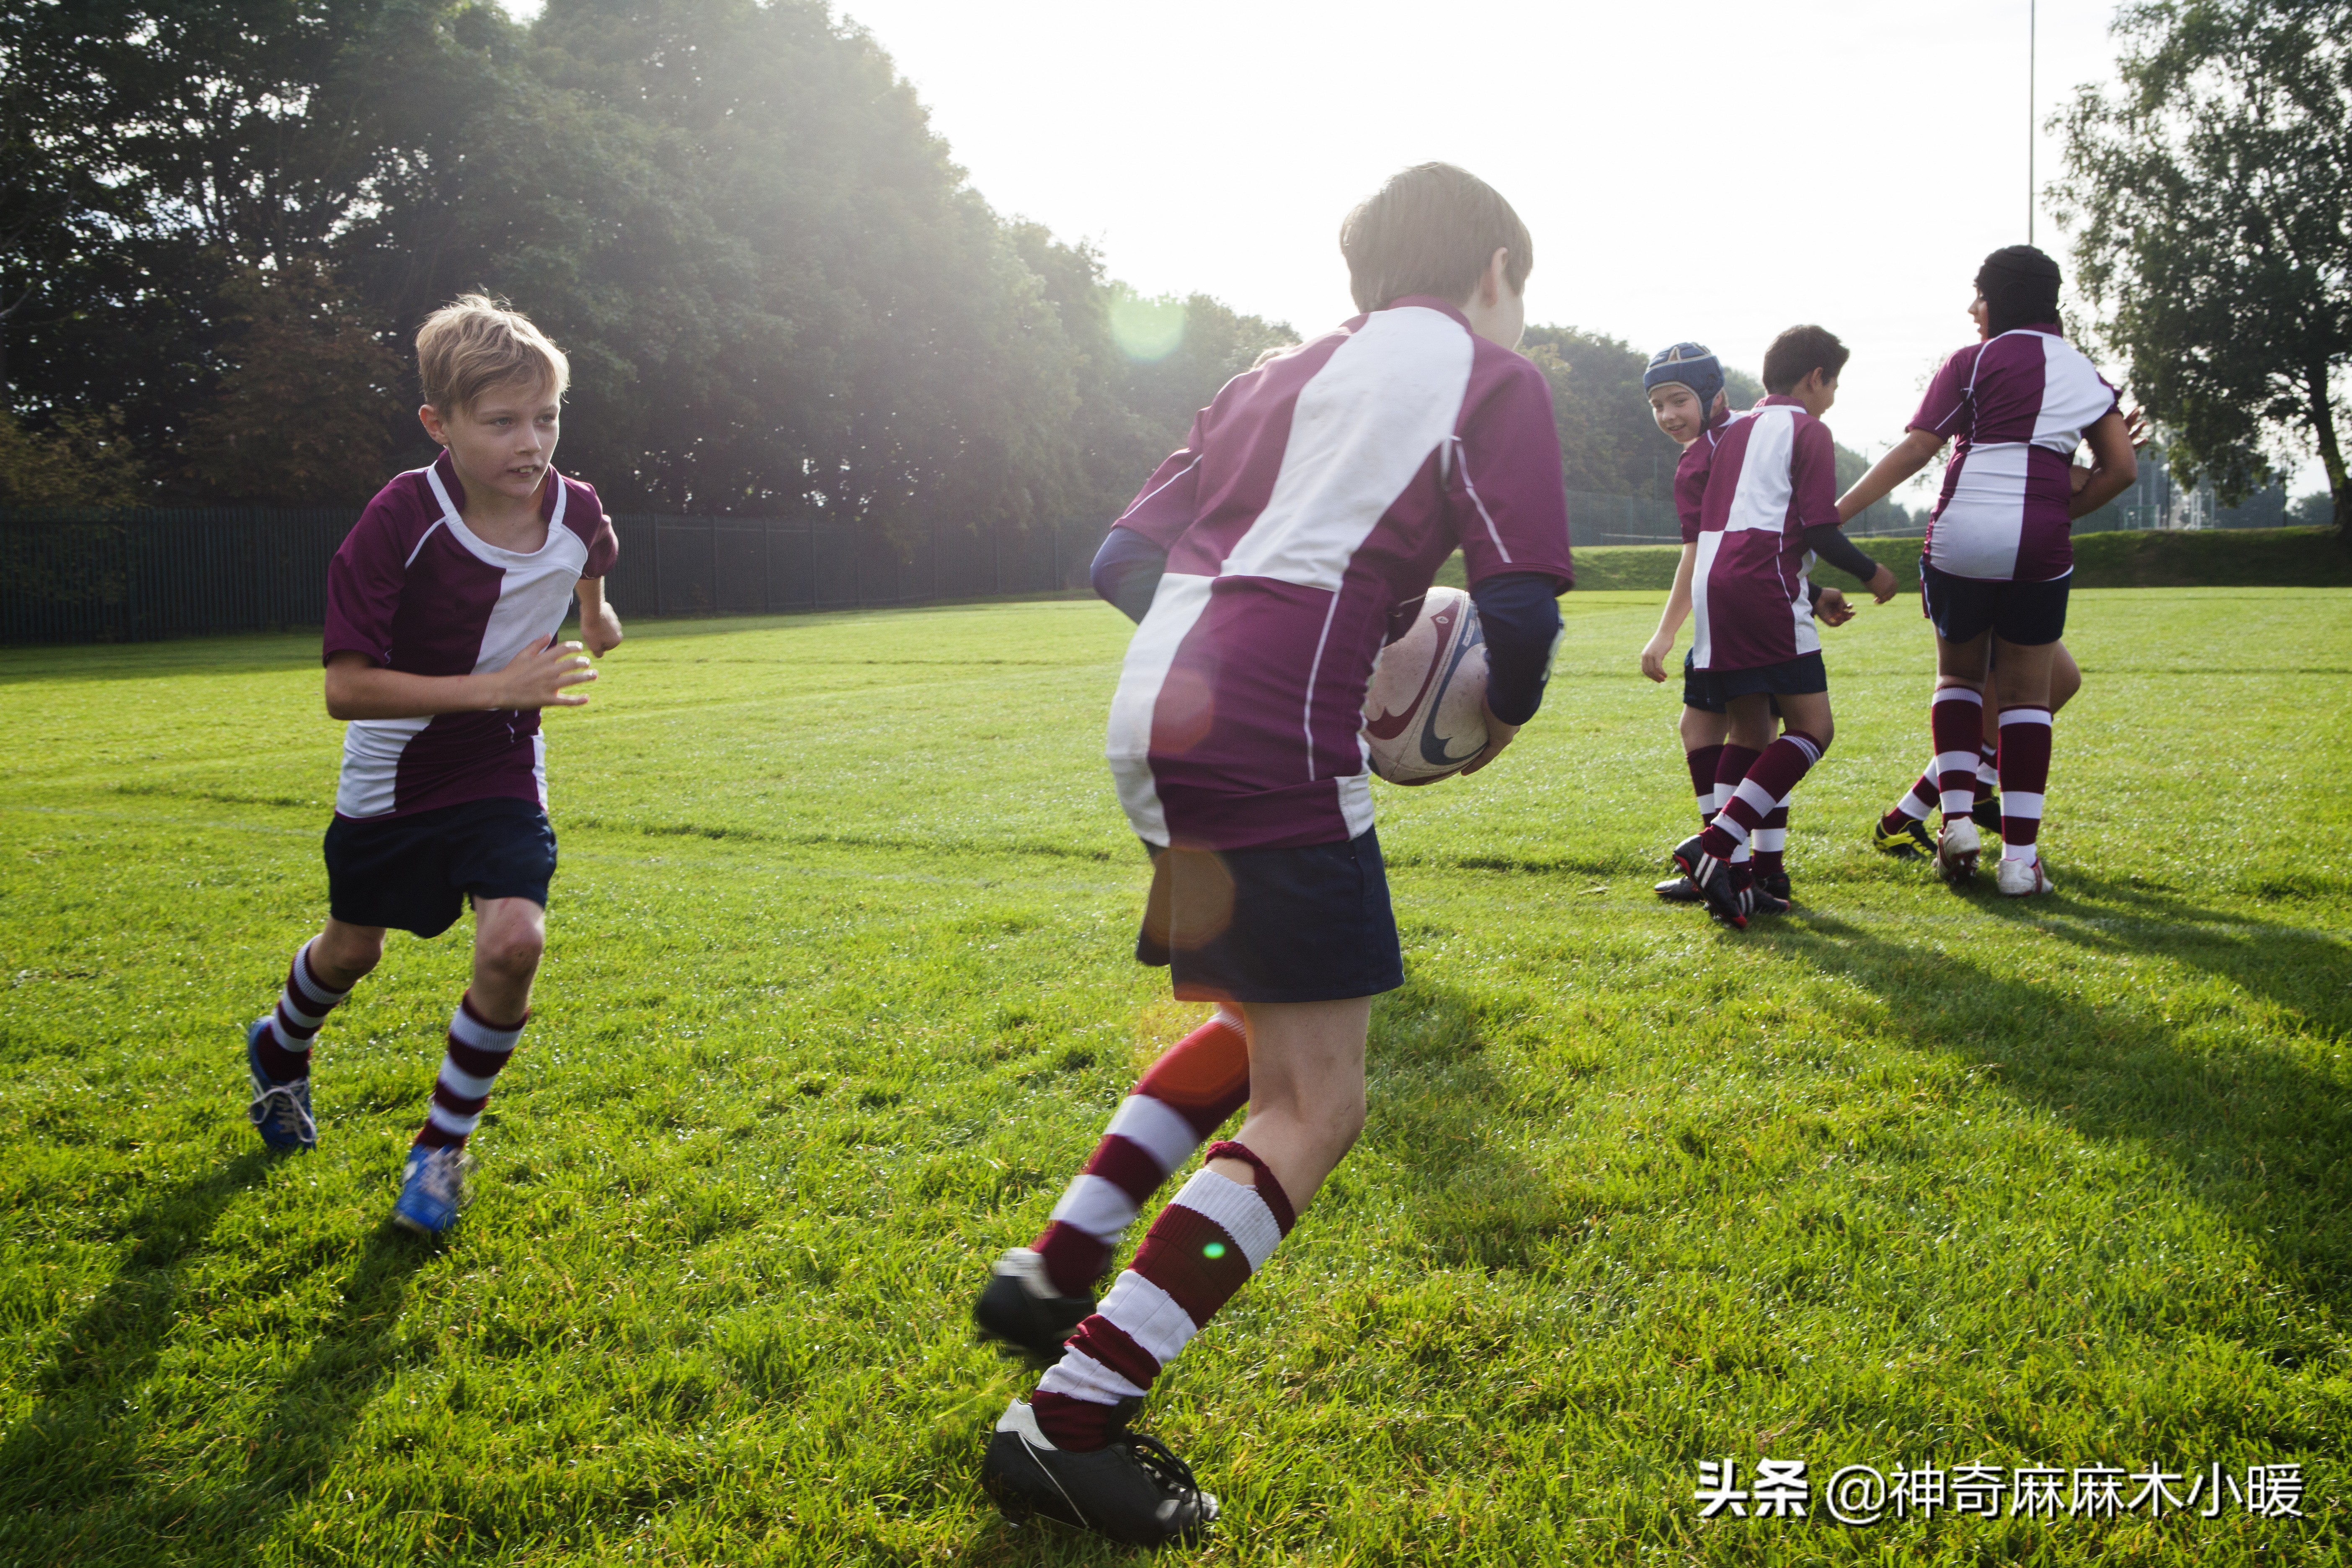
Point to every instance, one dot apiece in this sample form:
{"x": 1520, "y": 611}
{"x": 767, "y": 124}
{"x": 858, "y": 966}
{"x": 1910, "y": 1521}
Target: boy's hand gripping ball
{"x": 1425, "y": 712}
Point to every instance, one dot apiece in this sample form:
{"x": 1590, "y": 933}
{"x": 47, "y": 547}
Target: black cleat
{"x": 1986, "y": 813}
{"x": 1910, "y": 842}
{"x": 1133, "y": 1491}
{"x": 1775, "y": 889}
{"x": 1019, "y": 1309}
{"x": 1726, "y": 899}
{"x": 1679, "y": 889}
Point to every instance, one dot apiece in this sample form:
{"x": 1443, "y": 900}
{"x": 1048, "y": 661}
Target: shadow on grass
{"x": 2260, "y": 1138}
{"x": 73, "y": 1480}
{"x": 319, "y": 1402}
{"x": 1432, "y": 1100}
{"x": 75, "y": 1438}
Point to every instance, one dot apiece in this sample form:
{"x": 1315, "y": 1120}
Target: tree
{"x": 79, "y": 460}
{"x": 2213, "y": 193}
{"x": 311, "y": 400}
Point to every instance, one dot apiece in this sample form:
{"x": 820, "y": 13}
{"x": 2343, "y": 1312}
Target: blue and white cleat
{"x": 281, "y": 1112}
{"x": 433, "y": 1190}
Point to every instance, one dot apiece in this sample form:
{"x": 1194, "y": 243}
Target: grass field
{"x": 838, "y": 997}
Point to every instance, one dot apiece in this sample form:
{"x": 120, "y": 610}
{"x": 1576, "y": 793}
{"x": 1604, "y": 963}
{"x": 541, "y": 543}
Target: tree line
{"x": 224, "y": 219}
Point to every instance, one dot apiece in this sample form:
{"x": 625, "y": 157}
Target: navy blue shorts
{"x": 1309, "y": 924}
{"x": 1965, "y": 608}
{"x": 1695, "y": 693}
{"x": 414, "y": 873}
{"x": 1795, "y": 676}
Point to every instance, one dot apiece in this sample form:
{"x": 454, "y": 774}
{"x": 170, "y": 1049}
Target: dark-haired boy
{"x": 1765, "y": 503}
{"x": 443, "y": 606}
{"x": 1296, "y": 531}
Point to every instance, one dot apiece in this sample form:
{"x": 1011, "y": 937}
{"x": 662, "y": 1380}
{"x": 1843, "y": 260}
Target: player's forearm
{"x": 2103, "y": 485}
{"x": 369, "y": 693}
{"x": 1909, "y": 456}
{"x": 1678, "y": 598}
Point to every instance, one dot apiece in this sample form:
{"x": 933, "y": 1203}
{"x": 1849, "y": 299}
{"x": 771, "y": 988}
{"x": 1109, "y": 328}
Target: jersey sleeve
{"x": 1505, "y": 490}
{"x": 1169, "y": 500}
{"x": 1944, "y": 410}
{"x": 364, "y": 582}
{"x": 1690, "y": 484}
{"x": 1813, "y": 475}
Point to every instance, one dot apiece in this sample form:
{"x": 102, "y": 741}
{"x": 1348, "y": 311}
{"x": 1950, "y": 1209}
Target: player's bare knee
{"x": 345, "y": 955}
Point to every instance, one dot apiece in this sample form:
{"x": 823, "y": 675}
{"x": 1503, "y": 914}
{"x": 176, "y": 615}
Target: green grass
{"x": 838, "y": 997}
{"x": 2215, "y": 558}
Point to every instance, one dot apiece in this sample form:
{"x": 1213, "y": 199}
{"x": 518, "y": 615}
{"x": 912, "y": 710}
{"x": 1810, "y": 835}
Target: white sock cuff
{"x": 450, "y": 1121}
{"x": 463, "y": 1084}
{"x": 314, "y": 992}
{"x": 1237, "y": 1210}
{"x": 1740, "y": 854}
{"x": 1099, "y": 1207}
{"x": 2023, "y": 804}
{"x": 1769, "y": 840}
{"x": 1910, "y": 807}
{"x": 468, "y": 1030}
{"x": 1154, "y": 1126}
{"x": 2023, "y": 853}
{"x": 1078, "y": 1376}
{"x": 1762, "y": 804}
{"x": 1959, "y": 802}
{"x": 1955, "y": 694}
{"x": 1956, "y": 762}
{"x": 1148, "y": 1315}
{"x": 2025, "y": 716}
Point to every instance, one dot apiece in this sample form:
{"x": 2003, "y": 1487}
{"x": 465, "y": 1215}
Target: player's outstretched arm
{"x": 1906, "y": 458}
{"x": 538, "y": 677}
{"x": 600, "y": 625}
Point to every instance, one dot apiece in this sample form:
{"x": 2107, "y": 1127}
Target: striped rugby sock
{"x": 1203, "y": 1249}
{"x": 284, "y": 1047}
{"x": 1987, "y": 769}
{"x": 2024, "y": 775}
{"x": 477, "y": 1049}
{"x": 1702, "y": 763}
{"x": 1956, "y": 719}
{"x": 1187, "y": 1095}
{"x": 1770, "y": 842}
{"x": 1769, "y": 781}
{"x": 1918, "y": 803}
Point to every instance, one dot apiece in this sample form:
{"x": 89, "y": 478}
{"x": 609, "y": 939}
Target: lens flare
{"x": 1146, "y": 331}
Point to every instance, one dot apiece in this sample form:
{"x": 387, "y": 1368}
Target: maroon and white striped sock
{"x": 1988, "y": 770}
{"x": 2025, "y": 776}
{"x": 1770, "y": 842}
{"x": 1204, "y": 1246}
{"x": 1702, "y": 763}
{"x": 477, "y": 1049}
{"x": 284, "y": 1047}
{"x": 1918, "y": 803}
{"x": 1769, "y": 781}
{"x": 1731, "y": 765}
{"x": 1187, "y": 1095}
{"x": 1956, "y": 719}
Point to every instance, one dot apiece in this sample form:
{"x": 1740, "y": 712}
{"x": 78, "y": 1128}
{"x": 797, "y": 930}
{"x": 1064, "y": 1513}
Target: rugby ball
{"x": 1425, "y": 712}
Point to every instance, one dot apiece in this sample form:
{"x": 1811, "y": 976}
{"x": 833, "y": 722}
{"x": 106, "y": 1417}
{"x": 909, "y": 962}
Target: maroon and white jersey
{"x": 413, "y": 589}
{"x": 2018, "y": 405}
{"x": 1769, "y": 475}
{"x": 1313, "y": 502}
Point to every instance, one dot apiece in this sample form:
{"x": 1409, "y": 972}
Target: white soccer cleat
{"x": 2022, "y": 879}
{"x": 1956, "y": 850}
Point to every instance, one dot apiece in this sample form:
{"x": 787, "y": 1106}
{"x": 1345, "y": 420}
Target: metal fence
{"x": 137, "y": 576}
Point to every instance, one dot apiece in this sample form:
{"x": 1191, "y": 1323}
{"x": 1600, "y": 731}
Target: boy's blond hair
{"x": 474, "y": 342}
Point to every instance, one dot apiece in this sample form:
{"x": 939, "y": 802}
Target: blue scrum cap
{"x": 1693, "y": 364}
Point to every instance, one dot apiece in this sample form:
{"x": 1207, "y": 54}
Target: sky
{"x": 1705, "y": 171}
